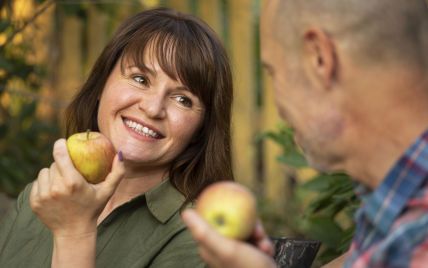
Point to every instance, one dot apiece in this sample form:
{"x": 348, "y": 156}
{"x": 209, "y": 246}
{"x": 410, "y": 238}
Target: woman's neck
{"x": 135, "y": 183}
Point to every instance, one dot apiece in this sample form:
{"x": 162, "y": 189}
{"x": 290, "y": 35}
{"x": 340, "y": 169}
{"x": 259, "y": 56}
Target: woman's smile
{"x": 142, "y": 129}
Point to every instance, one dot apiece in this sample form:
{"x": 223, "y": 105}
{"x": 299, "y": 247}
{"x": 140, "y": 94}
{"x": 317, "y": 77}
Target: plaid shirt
{"x": 392, "y": 223}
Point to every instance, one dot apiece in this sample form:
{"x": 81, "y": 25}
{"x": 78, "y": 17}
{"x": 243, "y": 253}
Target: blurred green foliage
{"x": 25, "y": 140}
{"x": 320, "y": 208}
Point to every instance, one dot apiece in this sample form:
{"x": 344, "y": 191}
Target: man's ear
{"x": 321, "y": 55}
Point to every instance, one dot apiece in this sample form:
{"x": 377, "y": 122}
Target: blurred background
{"x": 47, "y": 48}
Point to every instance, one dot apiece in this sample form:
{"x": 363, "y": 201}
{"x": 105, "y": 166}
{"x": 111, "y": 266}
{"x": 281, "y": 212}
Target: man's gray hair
{"x": 375, "y": 30}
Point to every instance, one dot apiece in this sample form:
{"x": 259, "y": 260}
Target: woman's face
{"x": 147, "y": 115}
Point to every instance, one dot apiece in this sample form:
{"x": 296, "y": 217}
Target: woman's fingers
{"x": 106, "y": 188}
{"x": 38, "y": 188}
{"x": 63, "y": 161}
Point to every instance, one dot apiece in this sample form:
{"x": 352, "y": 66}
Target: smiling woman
{"x": 184, "y": 50}
{"x": 161, "y": 91}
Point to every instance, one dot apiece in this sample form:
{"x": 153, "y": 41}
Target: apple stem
{"x": 87, "y": 133}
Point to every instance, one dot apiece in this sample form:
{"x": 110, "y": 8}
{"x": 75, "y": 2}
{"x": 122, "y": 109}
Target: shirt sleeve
{"x": 7, "y": 223}
{"x": 181, "y": 251}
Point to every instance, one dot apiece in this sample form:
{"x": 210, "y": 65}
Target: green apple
{"x": 92, "y": 155}
{"x": 230, "y": 208}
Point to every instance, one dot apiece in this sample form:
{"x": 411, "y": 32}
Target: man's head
{"x": 338, "y": 66}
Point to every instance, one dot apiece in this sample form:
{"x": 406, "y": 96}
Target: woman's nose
{"x": 153, "y": 105}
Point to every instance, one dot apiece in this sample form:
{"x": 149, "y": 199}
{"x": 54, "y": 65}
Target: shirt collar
{"x": 164, "y": 201}
{"x": 385, "y": 203}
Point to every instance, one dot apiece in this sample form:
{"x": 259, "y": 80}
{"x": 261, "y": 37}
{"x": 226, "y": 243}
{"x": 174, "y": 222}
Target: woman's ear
{"x": 321, "y": 56}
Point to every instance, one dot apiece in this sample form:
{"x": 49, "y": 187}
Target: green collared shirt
{"x": 144, "y": 232}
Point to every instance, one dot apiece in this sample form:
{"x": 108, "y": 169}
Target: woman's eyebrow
{"x": 142, "y": 69}
{"x": 184, "y": 88}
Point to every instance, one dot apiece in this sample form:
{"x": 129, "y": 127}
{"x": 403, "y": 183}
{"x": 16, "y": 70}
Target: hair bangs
{"x": 194, "y": 61}
{"x": 157, "y": 46}
{"x": 179, "y": 54}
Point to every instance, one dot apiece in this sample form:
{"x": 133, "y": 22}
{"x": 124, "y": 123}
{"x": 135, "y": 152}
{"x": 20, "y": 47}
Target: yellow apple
{"x": 92, "y": 155}
{"x": 230, "y": 208}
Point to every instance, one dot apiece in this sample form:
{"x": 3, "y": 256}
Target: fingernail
{"x": 120, "y": 155}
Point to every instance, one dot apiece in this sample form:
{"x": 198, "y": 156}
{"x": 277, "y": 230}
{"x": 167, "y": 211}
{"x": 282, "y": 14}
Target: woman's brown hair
{"x": 186, "y": 49}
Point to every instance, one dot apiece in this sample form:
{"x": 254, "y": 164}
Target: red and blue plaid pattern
{"x": 392, "y": 222}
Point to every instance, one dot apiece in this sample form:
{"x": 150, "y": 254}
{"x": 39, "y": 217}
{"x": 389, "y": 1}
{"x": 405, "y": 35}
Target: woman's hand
{"x": 218, "y": 251}
{"x": 63, "y": 200}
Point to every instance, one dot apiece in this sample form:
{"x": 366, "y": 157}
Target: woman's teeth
{"x": 141, "y": 129}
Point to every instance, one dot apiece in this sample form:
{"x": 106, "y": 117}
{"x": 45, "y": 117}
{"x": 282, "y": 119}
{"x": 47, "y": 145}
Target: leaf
{"x": 293, "y": 159}
{"x": 320, "y": 202}
{"x": 283, "y": 136}
{"x": 319, "y": 183}
{"x": 324, "y": 229}
{"x": 345, "y": 194}
{"x": 334, "y": 208}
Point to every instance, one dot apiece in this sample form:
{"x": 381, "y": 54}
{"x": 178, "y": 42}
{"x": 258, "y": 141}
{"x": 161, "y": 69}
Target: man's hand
{"x": 218, "y": 251}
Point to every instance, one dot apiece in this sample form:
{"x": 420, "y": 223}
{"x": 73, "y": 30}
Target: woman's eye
{"x": 185, "y": 101}
{"x": 140, "y": 79}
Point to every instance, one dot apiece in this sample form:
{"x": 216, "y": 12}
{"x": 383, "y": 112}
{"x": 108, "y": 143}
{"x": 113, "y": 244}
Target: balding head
{"x": 346, "y": 71}
{"x": 380, "y": 31}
